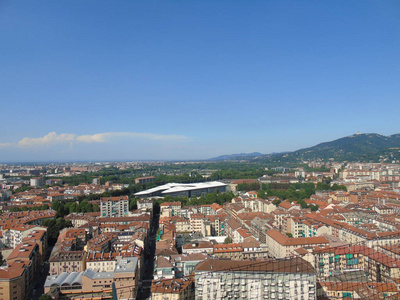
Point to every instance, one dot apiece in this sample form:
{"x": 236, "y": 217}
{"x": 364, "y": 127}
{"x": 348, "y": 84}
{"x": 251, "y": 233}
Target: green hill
{"x": 358, "y": 147}
{"x": 368, "y": 147}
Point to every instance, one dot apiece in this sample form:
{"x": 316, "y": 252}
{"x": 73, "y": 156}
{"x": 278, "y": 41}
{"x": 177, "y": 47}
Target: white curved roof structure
{"x": 175, "y": 188}
{"x": 64, "y": 279}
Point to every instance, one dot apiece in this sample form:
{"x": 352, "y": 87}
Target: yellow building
{"x": 13, "y": 284}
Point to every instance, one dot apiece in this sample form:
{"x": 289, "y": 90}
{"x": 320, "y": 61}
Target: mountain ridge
{"x": 372, "y": 147}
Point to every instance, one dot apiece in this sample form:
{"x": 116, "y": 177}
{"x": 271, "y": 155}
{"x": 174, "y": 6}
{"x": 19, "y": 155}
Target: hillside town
{"x": 324, "y": 231}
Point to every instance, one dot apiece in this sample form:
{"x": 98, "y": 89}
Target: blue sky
{"x": 137, "y": 80}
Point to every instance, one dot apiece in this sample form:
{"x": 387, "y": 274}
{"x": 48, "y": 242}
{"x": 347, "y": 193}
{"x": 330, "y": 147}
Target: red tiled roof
{"x": 286, "y": 241}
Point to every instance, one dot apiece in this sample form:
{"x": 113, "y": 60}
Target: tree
{"x": 276, "y": 202}
{"x": 133, "y": 204}
{"x": 45, "y": 297}
{"x": 54, "y": 226}
{"x": 73, "y": 207}
{"x": 228, "y": 240}
{"x": 22, "y": 189}
{"x": 255, "y": 186}
{"x": 302, "y": 203}
{"x": 59, "y": 208}
{"x": 262, "y": 194}
{"x": 96, "y": 208}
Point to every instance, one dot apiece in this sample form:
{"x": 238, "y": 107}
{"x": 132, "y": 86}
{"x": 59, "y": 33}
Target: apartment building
{"x": 182, "y": 225}
{"x": 67, "y": 261}
{"x": 173, "y": 289}
{"x": 28, "y": 254}
{"x": 359, "y": 290}
{"x": 197, "y": 223}
{"x": 36, "y": 181}
{"x": 14, "y": 235}
{"x": 379, "y": 266}
{"x": 229, "y": 251}
{"x": 170, "y": 209}
{"x": 281, "y": 246}
{"x": 163, "y": 268}
{"x": 114, "y": 206}
{"x": 105, "y": 262}
{"x": 304, "y": 227}
{"x": 13, "y": 283}
{"x": 185, "y": 264}
{"x": 144, "y": 204}
{"x": 282, "y": 279}
{"x": 102, "y": 243}
{"x": 39, "y": 237}
{"x": 198, "y": 247}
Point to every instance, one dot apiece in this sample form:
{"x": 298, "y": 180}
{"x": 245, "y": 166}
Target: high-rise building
{"x": 96, "y": 181}
{"x": 114, "y": 206}
{"x": 36, "y": 181}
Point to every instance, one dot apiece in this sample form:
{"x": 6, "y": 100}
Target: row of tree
{"x": 24, "y": 208}
{"x": 54, "y": 226}
{"x": 68, "y": 207}
{"x": 296, "y": 192}
{"x": 241, "y": 172}
{"x": 211, "y": 198}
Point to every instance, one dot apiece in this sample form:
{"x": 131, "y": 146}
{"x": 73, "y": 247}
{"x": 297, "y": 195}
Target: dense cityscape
{"x": 154, "y": 230}
{"x": 199, "y": 150}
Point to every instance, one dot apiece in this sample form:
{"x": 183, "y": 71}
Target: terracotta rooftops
{"x": 168, "y": 286}
{"x": 198, "y": 245}
{"x": 170, "y": 204}
{"x": 353, "y": 286}
{"x": 232, "y": 247}
{"x": 105, "y": 199}
{"x": 294, "y": 265}
{"x": 286, "y": 241}
{"x": 23, "y": 250}
{"x": 15, "y": 270}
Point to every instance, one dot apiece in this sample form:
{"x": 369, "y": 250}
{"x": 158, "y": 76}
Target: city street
{"x": 144, "y": 291}
{"x": 40, "y": 278}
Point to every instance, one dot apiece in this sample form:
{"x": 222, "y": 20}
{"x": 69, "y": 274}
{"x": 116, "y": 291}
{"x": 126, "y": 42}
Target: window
{"x": 346, "y": 295}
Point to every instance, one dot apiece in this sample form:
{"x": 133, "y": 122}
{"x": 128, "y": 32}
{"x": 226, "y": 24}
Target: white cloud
{"x": 94, "y": 138}
{"x": 106, "y": 136}
{"x": 54, "y": 138}
{"x": 48, "y": 139}
{"x": 4, "y": 145}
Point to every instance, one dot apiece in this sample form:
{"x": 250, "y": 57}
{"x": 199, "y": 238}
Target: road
{"x": 144, "y": 291}
{"x": 40, "y": 278}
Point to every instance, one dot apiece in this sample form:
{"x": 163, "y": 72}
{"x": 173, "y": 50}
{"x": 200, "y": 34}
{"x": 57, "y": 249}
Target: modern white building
{"x": 184, "y": 189}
